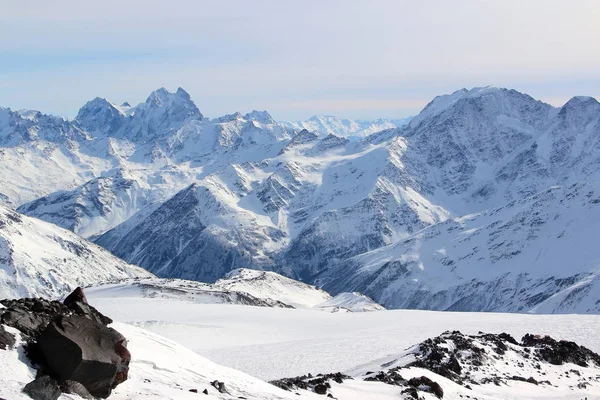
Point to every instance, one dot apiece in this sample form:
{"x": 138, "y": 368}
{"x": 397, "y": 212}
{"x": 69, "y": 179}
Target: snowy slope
{"x": 159, "y": 369}
{"x": 95, "y": 207}
{"x": 40, "y": 259}
{"x": 177, "y": 289}
{"x": 477, "y": 262}
{"x": 198, "y": 219}
{"x": 274, "y": 343}
{"x": 242, "y": 286}
{"x": 269, "y": 285}
{"x": 352, "y": 302}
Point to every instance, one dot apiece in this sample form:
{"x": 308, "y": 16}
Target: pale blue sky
{"x": 351, "y": 58}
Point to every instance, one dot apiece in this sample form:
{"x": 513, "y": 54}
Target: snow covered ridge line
{"x": 454, "y": 365}
{"x": 329, "y": 124}
{"x": 242, "y": 287}
{"x": 38, "y": 259}
{"x": 477, "y": 262}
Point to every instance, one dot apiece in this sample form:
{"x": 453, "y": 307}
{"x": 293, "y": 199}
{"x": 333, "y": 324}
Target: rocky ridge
{"x": 468, "y": 361}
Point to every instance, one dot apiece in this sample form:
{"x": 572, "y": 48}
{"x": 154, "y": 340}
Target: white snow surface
{"x": 273, "y": 343}
{"x": 241, "y": 286}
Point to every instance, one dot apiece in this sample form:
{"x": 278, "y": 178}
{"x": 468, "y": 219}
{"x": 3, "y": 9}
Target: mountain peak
{"x": 164, "y": 107}
{"x": 578, "y": 101}
{"x": 100, "y": 115}
{"x": 493, "y": 99}
{"x": 260, "y": 116}
{"x": 182, "y": 93}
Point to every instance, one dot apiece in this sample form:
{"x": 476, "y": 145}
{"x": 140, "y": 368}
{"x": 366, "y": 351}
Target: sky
{"x": 350, "y": 58}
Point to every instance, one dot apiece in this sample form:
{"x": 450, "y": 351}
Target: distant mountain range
{"x": 329, "y": 124}
{"x": 485, "y": 200}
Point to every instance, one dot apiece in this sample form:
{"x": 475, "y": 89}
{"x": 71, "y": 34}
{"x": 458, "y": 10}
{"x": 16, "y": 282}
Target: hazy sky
{"x": 357, "y": 59}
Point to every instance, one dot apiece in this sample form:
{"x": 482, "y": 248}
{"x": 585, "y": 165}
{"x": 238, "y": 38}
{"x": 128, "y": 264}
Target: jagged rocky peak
{"x": 180, "y": 99}
{"x": 260, "y": 116}
{"x": 304, "y": 136}
{"x": 162, "y": 114}
{"x": 100, "y": 116}
{"x": 580, "y": 110}
{"x": 329, "y": 142}
{"x": 229, "y": 117}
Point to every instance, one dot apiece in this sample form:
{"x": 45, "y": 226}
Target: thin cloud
{"x": 241, "y": 55}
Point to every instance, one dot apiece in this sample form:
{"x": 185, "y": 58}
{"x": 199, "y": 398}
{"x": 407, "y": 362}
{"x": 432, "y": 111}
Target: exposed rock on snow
{"x": 454, "y": 364}
{"x": 85, "y": 358}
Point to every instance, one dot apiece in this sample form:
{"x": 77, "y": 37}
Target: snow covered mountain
{"x": 330, "y": 125}
{"x": 177, "y": 289}
{"x": 536, "y": 254}
{"x": 350, "y": 302}
{"x": 41, "y": 259}
{"x": 241, "y": 286}
{"x": 189, "y": 197}
{"x": 269, "y": 285}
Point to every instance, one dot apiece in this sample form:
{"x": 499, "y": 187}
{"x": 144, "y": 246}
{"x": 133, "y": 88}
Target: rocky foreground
{"x": 469, "y": 361}
{"x": 68, "y": 350}
{"x": 70, "y": 344}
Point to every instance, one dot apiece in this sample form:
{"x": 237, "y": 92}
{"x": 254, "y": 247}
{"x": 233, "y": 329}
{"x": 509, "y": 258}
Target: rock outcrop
{"x": 468, "y": 361}
{"x": 75, "y": 350}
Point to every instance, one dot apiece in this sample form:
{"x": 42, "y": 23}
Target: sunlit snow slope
{"x": 41, "y": 259}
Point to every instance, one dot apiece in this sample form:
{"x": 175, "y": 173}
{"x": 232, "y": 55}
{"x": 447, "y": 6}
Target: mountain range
{"x": 486, "y": 200}
{"x": 329, "y": 124}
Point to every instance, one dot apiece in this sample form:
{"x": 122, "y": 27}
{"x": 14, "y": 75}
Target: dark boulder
{"x": 320, "y": 388}
{"x": 77, "y": 302}
{"x": 72, "y": 387}
{"x": 220, "y": 386}
{"x": 561, "y": 352}
{"x": 7, "y": 339}
{"x": 24, "y": 321}
{"x": 83, "y": 350}
{"x": 42, "y": 388}
{"x": 425, "y": 384}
